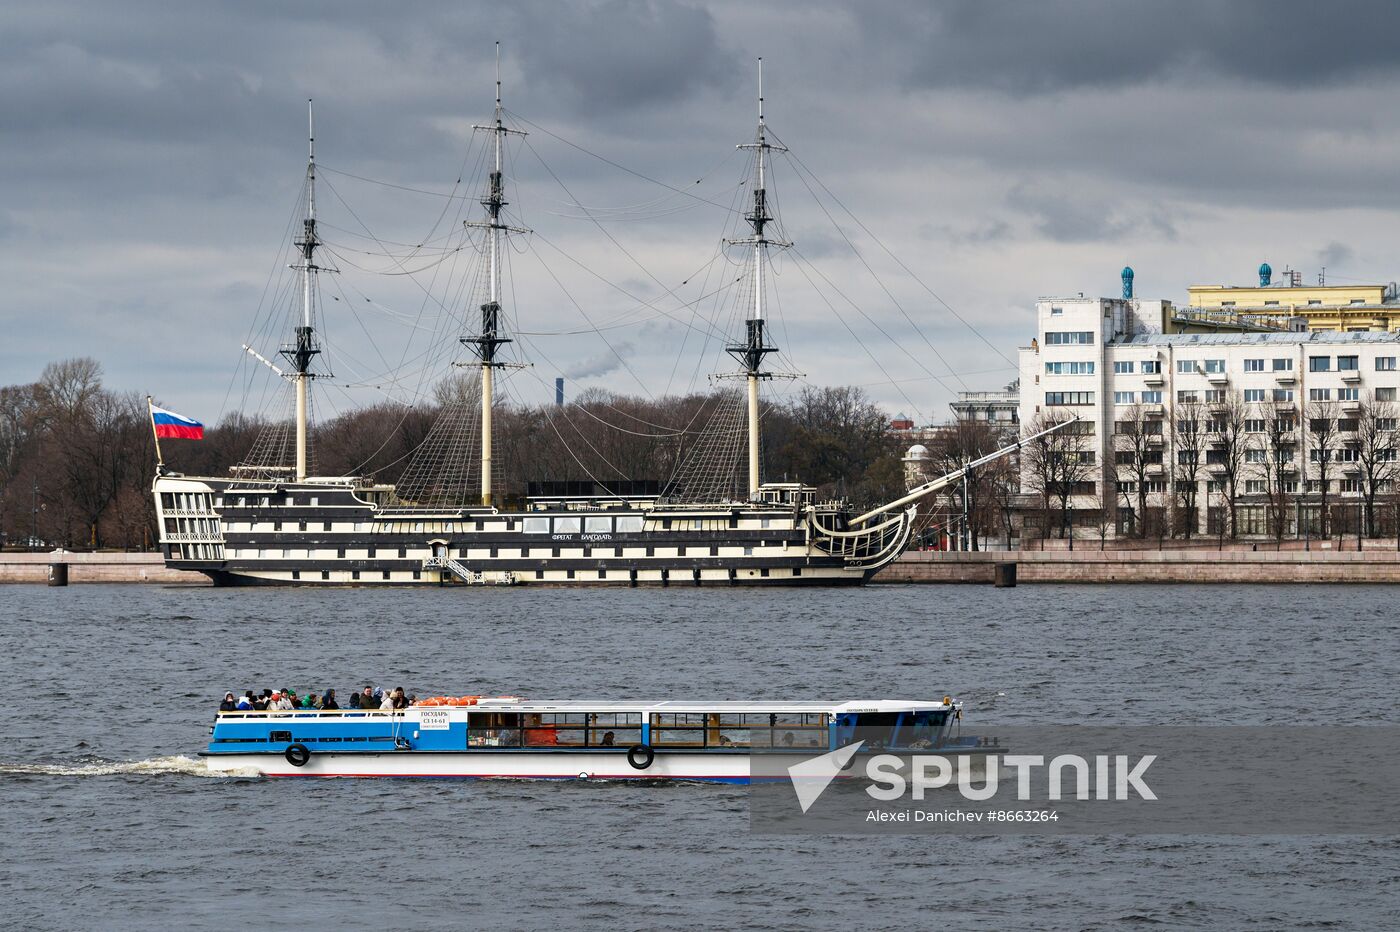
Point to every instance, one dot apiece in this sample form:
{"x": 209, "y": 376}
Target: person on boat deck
{"x": 328, "y": 700}
{"x": 607, "y": 740}
{"x": 244, "y": 704}
{"x": 281, "y": 702}
{"x": 291, "y": 696}
{"x": 398, "y": 700}
{"x": 264, "y": 702}
{"x": 229, "y": 704}
{"x": 387, "y": 702}
{"x": 367, "y": 699}
{"x": 355, "y": 700}
{"x": 312, "y": 701}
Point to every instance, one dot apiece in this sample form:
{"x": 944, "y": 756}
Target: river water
{"x": 109, "y": 820}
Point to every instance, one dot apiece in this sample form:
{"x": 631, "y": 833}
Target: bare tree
{"x": 1188, "y": 448}
{"x": 1280, "y": 450}
{"x": 1229, "y": 442}
{"x": 1376, "y": 435}
{"x": 1056, "y": 466}
{"x": 956, "y": 445}
{"x": 1322, "y": 438}
{"x": 1133, "y": 453}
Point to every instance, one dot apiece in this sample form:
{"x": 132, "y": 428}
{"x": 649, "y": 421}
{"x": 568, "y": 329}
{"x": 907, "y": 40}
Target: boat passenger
{"x": 244, "y": 704}
{"x": 355, "y": 700}
{"x": 607, "y": 740}
{"x": 312, "y": 701}
{"x": 328, "y": 701}
{"x": 368, "y": 700}
{"x": 398, "y": 700}
{"x": 291, "y": 696}
{"x": 387, "y": 702}
{"x": 229, "y": 704}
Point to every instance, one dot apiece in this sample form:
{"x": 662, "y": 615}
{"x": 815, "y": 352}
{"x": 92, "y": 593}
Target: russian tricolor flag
{"x": 169, "y": 424}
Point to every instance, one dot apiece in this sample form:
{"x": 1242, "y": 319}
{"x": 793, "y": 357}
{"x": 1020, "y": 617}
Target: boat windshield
{"x": 924, "y": 728}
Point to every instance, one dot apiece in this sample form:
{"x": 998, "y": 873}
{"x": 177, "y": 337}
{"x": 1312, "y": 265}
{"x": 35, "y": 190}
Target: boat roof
{"x": 680, "y": 705}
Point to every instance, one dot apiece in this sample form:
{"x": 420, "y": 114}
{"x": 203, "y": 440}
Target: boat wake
{"x": 156, "y": 766}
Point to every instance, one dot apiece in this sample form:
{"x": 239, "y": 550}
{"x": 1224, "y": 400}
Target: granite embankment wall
{"x": 94, "y": 568}
{"x": 1149, "y": 566}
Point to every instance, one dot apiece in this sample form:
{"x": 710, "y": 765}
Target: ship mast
{"x": 751, "y": 353}
{"x": 490, "y": 340}
{"x": 306, "y": 349}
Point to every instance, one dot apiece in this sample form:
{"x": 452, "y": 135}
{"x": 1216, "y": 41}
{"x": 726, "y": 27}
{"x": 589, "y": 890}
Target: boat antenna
{"x": 751, "y": 353}
{"x": 490, "y": 339}
{"x": 306, "y": 348}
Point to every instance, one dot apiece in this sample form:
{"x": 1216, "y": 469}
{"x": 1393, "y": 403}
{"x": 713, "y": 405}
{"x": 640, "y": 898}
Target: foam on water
{"x": 154, "y": 766}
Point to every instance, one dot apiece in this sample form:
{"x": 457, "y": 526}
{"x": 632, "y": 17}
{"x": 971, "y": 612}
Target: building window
{"x": 1385, "y": 363}
{"x": 1214, "y": 365}
{"x": 1348, "y": 394}
{"x": 1151, "y": 398}
{"x": 1125, "y": 367}
{"x": 1215, "y": 396}
{"x": 1068, "y": 399}
{"x": 1151, "y": 367}
{"x": 1254, "y": 425}
{"x": 1346, "y": 425}
{"x": 1254, "y": 486}
{"x": 1253, "y": 395}
{"x": 1349, "y": 485}
{"x": 1319, "y": 363}
{"x": 1385, "y": 394}
{"x": 1319, "y": 394}
{"x": 1283, "y": 365}
{"x": 1125, "y": 398}
{"x": 1348, "y": 363}
{"x": 1184, "y": 397}
{"x": 1069, "y": 338}
{"x": 1255, "y": 456}
{"x": 1056, "y": 311}
{"x": 1283, "y": 394}
{"x": 1387, "y": 423}
{"x": 1254, "y": 365}
{"x": 1185, "y": 365}
{"x": 1069, "y": 368}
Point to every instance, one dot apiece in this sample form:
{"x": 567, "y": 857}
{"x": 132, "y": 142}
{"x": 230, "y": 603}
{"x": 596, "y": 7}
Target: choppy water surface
{"x": 108, "y": 819}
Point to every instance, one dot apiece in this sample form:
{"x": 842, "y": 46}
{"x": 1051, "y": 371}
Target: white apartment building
{"x": 1254, "y": 399}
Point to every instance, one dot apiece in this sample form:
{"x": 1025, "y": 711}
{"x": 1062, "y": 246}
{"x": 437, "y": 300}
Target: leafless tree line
{"x": 77, "y": 458}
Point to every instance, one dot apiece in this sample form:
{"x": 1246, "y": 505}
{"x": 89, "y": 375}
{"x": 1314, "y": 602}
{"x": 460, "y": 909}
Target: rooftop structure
{"x": 1352, "y": 307}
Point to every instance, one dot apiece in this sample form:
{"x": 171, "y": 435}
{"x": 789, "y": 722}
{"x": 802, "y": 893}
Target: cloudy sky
{"x": 152, "y": 153}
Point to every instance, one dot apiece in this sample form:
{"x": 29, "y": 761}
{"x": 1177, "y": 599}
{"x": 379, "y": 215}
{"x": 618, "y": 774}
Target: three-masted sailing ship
{"x": 444, "y": 521}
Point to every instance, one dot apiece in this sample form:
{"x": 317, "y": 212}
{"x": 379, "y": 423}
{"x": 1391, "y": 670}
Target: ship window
{"x": 566, "y": 525}
{"x": 678, "y": 729}
{"x": 265, "y": 501}
{"x": 290, "y": 500}
{"x": 625, "y": 728}
{"x": 386, "y": 574}
{"x": 555, "y": 729}
{"x": 315, "y": 500}
{"x": 403, "y": 552}
{"x": 326, "y": 574}
{"x": 629, "y": 524}
{"x": 597, "y": 525}
{"x": 535, "y": 526}
{"x": 493, "y": 729}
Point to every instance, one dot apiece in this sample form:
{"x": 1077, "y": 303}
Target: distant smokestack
{"x": 1127, "y": 282}
{"x": 558, "y": 391}
{"x": 1266, "y": 275}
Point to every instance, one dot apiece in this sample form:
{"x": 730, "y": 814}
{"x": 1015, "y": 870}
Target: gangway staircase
{"x": 468, "y": 576}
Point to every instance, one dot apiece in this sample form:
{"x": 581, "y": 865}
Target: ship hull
{"x": 327, "y": 534}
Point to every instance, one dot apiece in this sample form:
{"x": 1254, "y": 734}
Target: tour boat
{"x": 510, "y": 737}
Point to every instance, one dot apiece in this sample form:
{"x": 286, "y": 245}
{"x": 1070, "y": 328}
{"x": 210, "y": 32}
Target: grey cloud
{"x": 1335, "y": 254}
{"x": 1078, "y": 218}
{"x": 1042, "y": 46}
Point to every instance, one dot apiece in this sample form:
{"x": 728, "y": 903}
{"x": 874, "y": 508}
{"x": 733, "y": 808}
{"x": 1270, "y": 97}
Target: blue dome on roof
{"x": 1127, "y": 281}
{"x": 1266, "y": 274}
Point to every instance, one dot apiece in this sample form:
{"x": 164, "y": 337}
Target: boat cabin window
{"x": 567, "y": 525}
{"x": 493, "y": 729}
{"x": 597, "y": 525}
{"x": 553, "y": 729}
{"x": 535, "y": 526}
{"x": 629, "y": 524}
{"x": 919, "y": 729}
{"x": 739, "y": 729}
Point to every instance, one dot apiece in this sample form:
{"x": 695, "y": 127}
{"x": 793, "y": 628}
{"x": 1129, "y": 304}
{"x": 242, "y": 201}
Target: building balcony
{"x": 1217, "y": 378}
{"x": 1154, "y": 378}
{"x": 1351, "y": 375}
{"x": 1351, "y": 407}
{"x": 1154, "y": 440}
{"x": 1153, "y": 410}
{"x": 1284, "y": 407}
{"x": 1285, "y": 377}
{"x": 1153, "y": 469}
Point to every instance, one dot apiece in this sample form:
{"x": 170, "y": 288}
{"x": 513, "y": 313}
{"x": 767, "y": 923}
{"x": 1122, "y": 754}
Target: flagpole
{"x": 151, "y": 413}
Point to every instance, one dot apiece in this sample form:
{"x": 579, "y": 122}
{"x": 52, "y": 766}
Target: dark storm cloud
{"x": 150, "y": 154}
{"x": 1039, "y": 46}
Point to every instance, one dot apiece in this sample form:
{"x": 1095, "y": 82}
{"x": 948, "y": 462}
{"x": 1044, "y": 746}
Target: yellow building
{"x": 1326, "y": 307}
